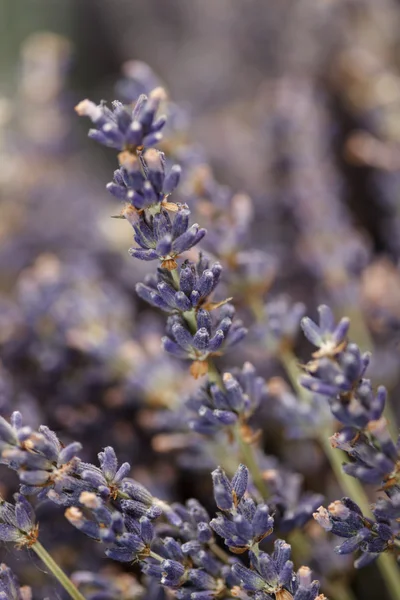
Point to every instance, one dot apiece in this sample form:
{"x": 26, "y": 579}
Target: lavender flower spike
{"x": 125, "y": 128}
{"x": 242, "y": 523}
{"x": 197, "y": 282}
{"x": 327, "y": 336}
{"x": 160, "y": 238}
{"x": 143, "y": 182}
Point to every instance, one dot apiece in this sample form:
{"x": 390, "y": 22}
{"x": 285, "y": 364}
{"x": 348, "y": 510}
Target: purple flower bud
{"x": 240, "y": 481}
{"x": 172, "y": 571}
{"x": 172, "y": 180}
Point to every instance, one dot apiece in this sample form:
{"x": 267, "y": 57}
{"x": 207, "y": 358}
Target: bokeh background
{"x": 293, "y": 102}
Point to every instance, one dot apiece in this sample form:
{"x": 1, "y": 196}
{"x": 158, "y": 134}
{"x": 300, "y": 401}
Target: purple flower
{"x": 212, "y": 408}
{"x": 125, "y": 128}
{"x": 205, "y": 338}
{"x": 345, "y": 519}
{"x": 328, "y": 337}
{"x": 242, "y": 523}
{"x": 270, "y": 574}
{"x": 143, "y": 182}
{"x": 160, "y": 238}
{"x": 197, "y": 281}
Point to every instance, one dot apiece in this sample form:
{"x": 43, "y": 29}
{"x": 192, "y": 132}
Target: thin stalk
{"x": 359, "y": 331}
{"x": 220, "y": 553}
{"x": 389, "y": 569}
{"x": 175, "y": 277}
{"x": 339, "y": 590}
{"x": 58, "y": 573}
{"x": 249, "y": 459}
{"x": 214, "y": 375}
{"x": 291, "y": 365}
{"x": 156, "y": 556}
{"x": 351, "y": 487}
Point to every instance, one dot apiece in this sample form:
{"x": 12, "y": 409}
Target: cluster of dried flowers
{"x": 214, "y": 416}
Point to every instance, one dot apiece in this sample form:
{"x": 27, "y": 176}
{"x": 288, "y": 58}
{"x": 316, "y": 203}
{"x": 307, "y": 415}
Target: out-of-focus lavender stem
{"x": 249, "y": 459}
{"x": 219, "y": 553}
{"x": 57, "y": 572}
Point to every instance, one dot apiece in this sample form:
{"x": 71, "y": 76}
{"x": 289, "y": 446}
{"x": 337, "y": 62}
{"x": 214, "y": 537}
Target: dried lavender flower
{"x": 212, "y": 408}
{"x": 159, "y": 238}
{"x": 337, "y": 372}
{"x": 125, "y": 128}
{"x": 197, "y": 281}
{"x": 273, "y": 574}
{"x": 345, "y": 519}
{"x": 208, "y": 337}
{"x": 242, "y": 523}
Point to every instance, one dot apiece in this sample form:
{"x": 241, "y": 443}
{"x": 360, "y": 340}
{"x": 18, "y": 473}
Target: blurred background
{"x": 295, "y": 103}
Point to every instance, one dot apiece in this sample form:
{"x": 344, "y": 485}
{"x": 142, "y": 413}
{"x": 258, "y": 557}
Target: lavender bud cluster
{"x": 182, "y": 549}
{"x": 336, "y": 373}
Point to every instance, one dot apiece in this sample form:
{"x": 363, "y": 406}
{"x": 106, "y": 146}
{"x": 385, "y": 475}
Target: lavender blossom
{"x": 345, "y": 519}
{"x": 159, "y": 238}
{"x": 127, "y": 537}
{"x": 142, "y": 181}
{"x": 212, "y": 408}
{"x": 374, "y": 455}
{"x": 123, "y": 128}
{"x": 197, "y": 281}
{"x": 327, "y": 336}
{"x": 99, "y": 586}
{"x": 50, "y": 471}
{"x": 281, "y": 323}
{"x": 242, "y": 523}
{"x": 337, "y": 373}
{"x": 274, "y": 575}
{"x": 208, "y": 336}
{"x": 301, "y": 418}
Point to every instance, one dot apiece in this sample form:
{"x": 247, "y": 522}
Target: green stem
{"x": 219, "y": 553}
{"x": 339, "y": 590}
{"x": 190, "y": 318}
{"x": 214, "y": 375}
{"x": 390, "y": 572}
{"x": 175, "y": 277}
{"x": 249, "y": 459}
{"x": 57, "y": 572}
{"x": 156, "y": 556}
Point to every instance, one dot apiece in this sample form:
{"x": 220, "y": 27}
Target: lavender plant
{"x": 175, "y": 545}
{"x": 337, "y": 374}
